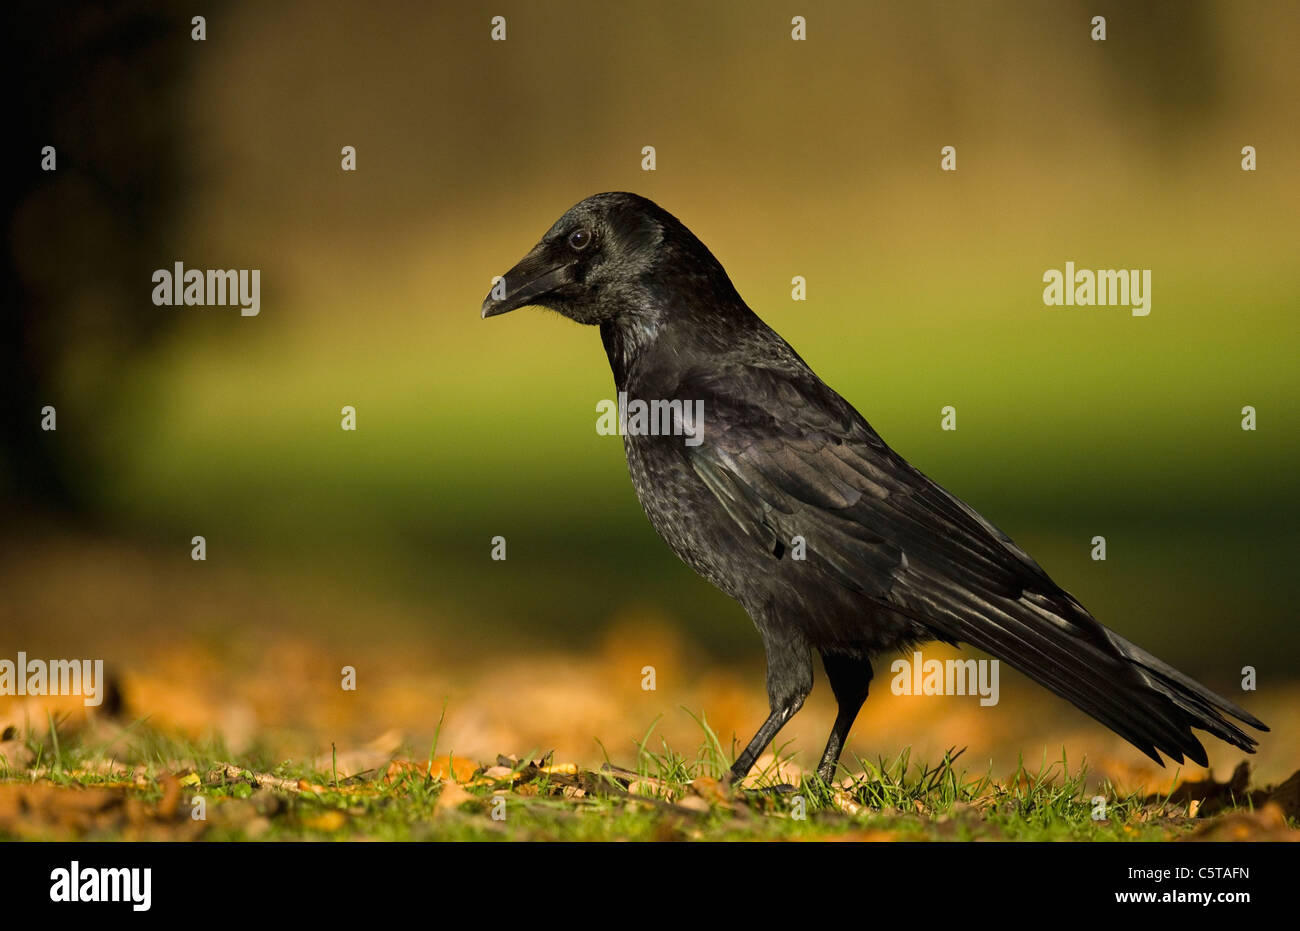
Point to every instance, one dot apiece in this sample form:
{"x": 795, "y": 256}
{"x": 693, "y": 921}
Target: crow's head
{"x": 610, "y": 255}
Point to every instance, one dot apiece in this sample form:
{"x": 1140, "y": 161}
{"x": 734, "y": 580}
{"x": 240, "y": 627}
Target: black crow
{"x": 890, "y": 558}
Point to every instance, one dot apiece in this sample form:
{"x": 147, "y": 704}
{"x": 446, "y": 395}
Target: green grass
{"x": 667, "y": 795}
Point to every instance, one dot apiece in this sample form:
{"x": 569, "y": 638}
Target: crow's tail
{"x": 1182, "y": 702}
{"x": 1057, "y": 643}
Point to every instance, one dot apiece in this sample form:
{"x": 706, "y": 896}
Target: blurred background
{"x": 816, "y": 158}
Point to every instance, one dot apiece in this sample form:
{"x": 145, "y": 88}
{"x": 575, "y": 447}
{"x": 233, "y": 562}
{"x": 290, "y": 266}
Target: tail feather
{"x": 1201, "y": 707}
{"x": 1143, "y": 699}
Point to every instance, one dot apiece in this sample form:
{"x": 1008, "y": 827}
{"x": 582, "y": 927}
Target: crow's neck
{"x": 649, "y": 346}
{"x": 626, "y": 339}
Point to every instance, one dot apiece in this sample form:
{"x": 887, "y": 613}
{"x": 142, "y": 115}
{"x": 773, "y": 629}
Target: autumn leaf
{"x": 171, "y": 796}
{"x": 1266, "y": 824}
{"x": 453, "y": 796}
{"x": 845, "y": 802}
{"x": 1206, "y": 796}
{"x": 711, "y": 790}
{"x": 1287, "y": 795}
{"x": 443, "y": 767}
{"x": 331, "y": 820}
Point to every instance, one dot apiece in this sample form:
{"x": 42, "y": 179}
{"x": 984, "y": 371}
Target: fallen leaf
{"x": 455, "y": 768}
{"x": 330, "y": 820}
{"x": 560, "y": 769}
{"x": 845, "y": 803}
{"x": 711, "y": 790}
{"x": 1287, "y": 795}
{"x": 43, "y": 811}
{"x": 171, "y": 797}
{"x": 769, "y": 770}
{"x": 1266, "y": 824}
{"x": 453, "y": 796}
{"x": 646, "y": 787}
{"x": 1208, "y": 794}
{"x": 15, "y": 754}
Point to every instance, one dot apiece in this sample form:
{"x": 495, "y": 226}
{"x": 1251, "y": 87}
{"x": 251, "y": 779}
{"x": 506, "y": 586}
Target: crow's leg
{"x": 789, "y": 680}
{"x": 849, "y": 678}
{"x": 775, "y": 721}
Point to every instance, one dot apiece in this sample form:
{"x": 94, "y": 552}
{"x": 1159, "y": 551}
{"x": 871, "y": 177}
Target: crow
{"x": 890, "y": 559}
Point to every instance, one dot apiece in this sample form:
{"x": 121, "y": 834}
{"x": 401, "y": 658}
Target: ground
{"x": 227, "y": 699}
{"x": 154, "y": 788}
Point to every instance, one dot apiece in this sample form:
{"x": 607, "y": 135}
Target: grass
{"x": 147, "y": 785}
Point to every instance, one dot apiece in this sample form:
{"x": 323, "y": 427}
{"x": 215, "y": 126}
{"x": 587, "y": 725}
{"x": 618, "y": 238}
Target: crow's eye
{"x": 580, "y": 239}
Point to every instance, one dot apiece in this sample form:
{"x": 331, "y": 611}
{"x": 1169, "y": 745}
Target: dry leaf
{"x": 1211, "y": 796}
{"x": 1266, "y": 824}
{"x": 769, "y": 770}
{"x": 560, "y": 769}
{"x": 846, "y": 803}
{"x": 1287, "y": 795}
{"x": 711, "y": 790}
{"x": 42, "y": 811}
{"x": 330, "y": 820}
{"x": 15, "y": 754}
{"x": 171, "y": 796}
{"x": 453, "y": 796}
{"x": 455, "y": 768}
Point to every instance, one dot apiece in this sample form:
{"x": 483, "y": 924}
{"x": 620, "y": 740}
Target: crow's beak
{"x": 535, "y": 276}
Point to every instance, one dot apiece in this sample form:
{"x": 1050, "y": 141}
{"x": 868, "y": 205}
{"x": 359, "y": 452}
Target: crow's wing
{"x": 786, "y": 456}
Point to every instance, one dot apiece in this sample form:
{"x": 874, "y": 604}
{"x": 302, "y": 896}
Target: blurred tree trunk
{"x": 103, "y": 87}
